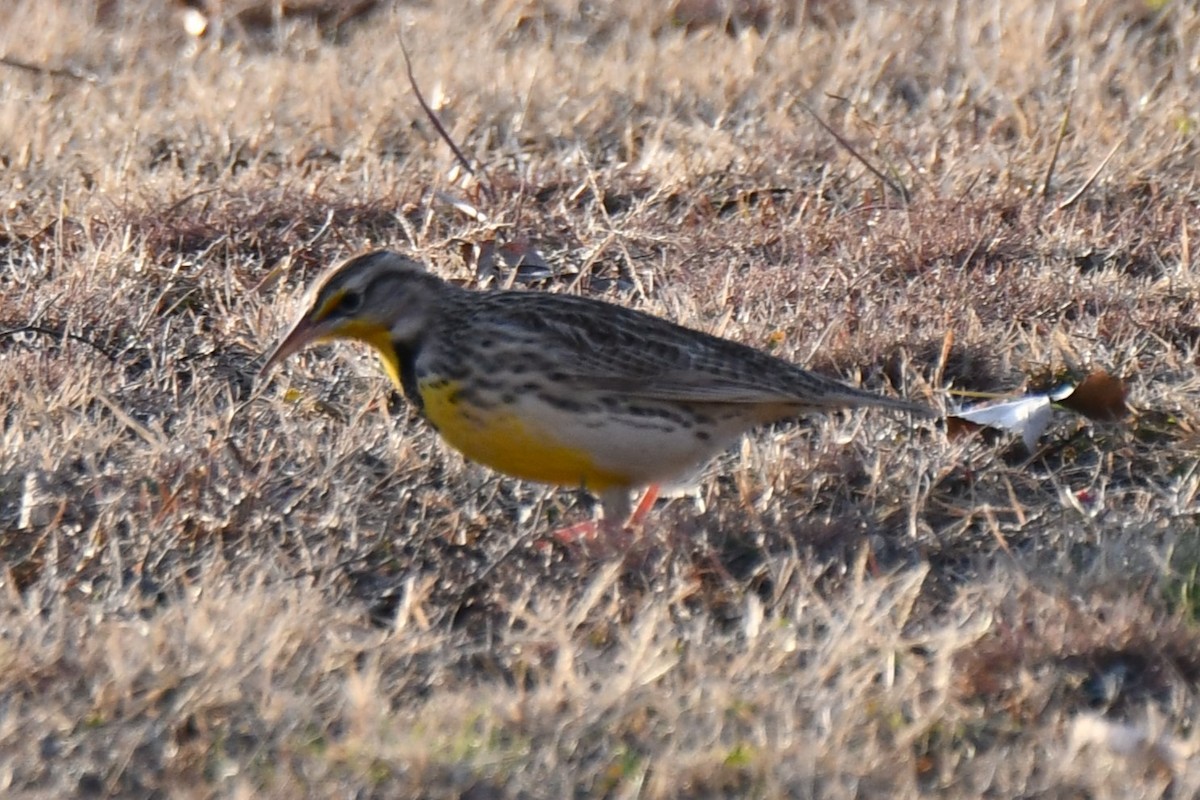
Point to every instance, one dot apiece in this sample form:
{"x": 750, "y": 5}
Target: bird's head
{"x": 381, "y": 298}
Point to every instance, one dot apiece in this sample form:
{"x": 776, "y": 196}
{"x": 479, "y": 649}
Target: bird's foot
{"x": 585, "y": 532}
{"x": 607, "y": 532}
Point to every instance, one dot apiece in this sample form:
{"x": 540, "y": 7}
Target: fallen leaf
{"x": 461, "y": 206}
{"x": 1100, "y": 396}
{"x": 957, "y": 427}
{"x": 520, "y": 257}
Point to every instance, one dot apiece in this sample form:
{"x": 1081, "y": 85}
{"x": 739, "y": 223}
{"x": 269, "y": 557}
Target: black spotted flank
{"x": 563, "y": 403}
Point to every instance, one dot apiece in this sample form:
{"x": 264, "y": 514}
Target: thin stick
{"x": 896, "y": 186}
{"x": 485, "y": 184}
{"x": 60, "y": 334}
{"x": 55, "y": 72}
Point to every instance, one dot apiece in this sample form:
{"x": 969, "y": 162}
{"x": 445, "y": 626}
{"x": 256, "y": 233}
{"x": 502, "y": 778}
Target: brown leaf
{"x": 520, "y": 257}
{"x": 1100, "y": 396}
{"x": 957, "y": 427}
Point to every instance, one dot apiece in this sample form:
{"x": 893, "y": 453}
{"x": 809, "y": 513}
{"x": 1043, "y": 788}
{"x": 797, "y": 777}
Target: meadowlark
{"x": 556, "y": 388}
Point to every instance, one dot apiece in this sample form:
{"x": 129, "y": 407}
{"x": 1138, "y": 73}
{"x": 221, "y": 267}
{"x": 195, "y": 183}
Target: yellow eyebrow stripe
{"x": 326, "y": 308}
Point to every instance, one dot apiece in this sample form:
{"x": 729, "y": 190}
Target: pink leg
{"x": 643, "y": 508}
{"x": 579, "y": 532}
{"x": 612, "y": 524}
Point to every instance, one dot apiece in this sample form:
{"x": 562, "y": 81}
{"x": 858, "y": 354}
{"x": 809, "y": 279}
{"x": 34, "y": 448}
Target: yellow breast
{"x": 499, "y": 436}
{"x": 510, "y": 442}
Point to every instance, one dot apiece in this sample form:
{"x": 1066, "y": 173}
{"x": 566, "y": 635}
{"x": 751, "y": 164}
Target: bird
{"x": 561, "y": 389}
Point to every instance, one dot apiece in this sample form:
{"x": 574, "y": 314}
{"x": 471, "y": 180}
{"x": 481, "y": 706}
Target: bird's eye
{"x": 350, "y": 303}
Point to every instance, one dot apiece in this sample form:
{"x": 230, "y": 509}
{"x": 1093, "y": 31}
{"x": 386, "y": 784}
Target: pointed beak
{"x": 303, "y": 333}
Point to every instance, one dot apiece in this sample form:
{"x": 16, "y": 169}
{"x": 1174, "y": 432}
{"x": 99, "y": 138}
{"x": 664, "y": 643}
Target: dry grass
{"x": 211, "y": 588}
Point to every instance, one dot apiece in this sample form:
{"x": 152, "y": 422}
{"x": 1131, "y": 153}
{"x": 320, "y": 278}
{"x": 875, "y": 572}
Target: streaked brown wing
{"x": 604, "y": 347}
{"x": 693, "y": 387}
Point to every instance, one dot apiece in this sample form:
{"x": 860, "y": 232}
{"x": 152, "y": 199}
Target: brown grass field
{"x": 213, "y": 585}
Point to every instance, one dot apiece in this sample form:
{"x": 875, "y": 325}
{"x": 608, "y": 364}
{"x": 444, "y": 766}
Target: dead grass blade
{"x": 1062, "y": 134}
{"x": 152, "y": 438}
{"x": 1073, "y": 199}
